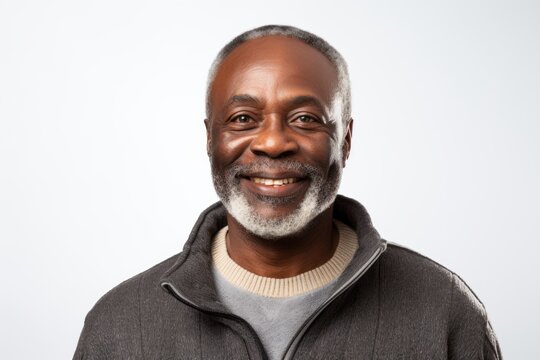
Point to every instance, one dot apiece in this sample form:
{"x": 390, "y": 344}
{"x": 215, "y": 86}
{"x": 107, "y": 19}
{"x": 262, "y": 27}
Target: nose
{"x": 274, "y": 139}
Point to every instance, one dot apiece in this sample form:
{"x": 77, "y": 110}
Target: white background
{"x": 103, "y": 168}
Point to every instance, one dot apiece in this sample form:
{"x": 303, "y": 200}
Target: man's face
{"x": 275, "y": 135}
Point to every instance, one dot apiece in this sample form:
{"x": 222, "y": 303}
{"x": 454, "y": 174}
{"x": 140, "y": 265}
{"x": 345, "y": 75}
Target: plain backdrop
{"x": 103, "y": 168}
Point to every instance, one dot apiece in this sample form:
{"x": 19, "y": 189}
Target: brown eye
{"x": 241, "y": 119}
{"x": 306, "y": 118}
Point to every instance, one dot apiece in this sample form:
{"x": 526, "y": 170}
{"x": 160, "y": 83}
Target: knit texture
{"x": 292, "y": 286}
{"x": 404, "y": 306}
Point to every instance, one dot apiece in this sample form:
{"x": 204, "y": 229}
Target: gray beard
{"x": 319, "y": 196}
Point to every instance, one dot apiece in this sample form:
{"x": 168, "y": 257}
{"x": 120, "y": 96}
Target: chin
{"x": 263, "y": 225}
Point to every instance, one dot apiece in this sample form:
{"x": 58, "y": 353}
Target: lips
{"x": 275, "y": 184}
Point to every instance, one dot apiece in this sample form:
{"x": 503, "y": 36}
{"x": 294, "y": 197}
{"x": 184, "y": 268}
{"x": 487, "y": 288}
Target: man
{"x": 282, "y": 267}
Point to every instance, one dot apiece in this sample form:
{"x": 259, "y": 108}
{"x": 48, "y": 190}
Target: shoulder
{"x": 126, "y": 295}
{"x": 411, "y": 267}
{"x": 424, "y": 289}
{"x": 405, "y": 268}
{"x": 113, "y": 323}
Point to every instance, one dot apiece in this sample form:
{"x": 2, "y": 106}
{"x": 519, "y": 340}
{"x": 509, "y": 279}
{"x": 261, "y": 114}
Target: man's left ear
{"x": 347, "y": 140}
{"x": 208, "y": 136}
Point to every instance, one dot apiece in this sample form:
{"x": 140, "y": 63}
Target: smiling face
{"x": 276, "y": 140}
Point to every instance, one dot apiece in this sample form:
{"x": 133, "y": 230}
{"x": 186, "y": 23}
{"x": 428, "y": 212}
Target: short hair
{"x": 316, "y": 42}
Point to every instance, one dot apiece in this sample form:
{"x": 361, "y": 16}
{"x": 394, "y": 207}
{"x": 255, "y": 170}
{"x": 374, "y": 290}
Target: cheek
{"x": 228, "y": 147}
{"x": 322, "y": 149}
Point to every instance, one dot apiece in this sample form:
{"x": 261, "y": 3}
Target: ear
{"x": 208, "y": 136}
{"x": 347, "y": 141}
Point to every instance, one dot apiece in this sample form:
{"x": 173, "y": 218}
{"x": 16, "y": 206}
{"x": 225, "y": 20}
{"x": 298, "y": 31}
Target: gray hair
{"x": 319, "y": 44}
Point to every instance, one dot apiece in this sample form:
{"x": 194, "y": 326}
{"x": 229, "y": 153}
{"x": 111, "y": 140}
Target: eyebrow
{"x": 293, "y": 102}
{"x": 243, "y": 99}
{"x": 306, "y": 100}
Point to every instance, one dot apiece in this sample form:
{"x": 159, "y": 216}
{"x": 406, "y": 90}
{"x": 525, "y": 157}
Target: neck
{"x": 284, "y": 257}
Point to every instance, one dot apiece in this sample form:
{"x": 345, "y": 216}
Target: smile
{"x": 283, "y": 185}
{"x": 273, "y": 182}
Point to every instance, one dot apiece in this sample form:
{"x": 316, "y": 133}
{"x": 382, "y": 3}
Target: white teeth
{"x": 273, "y": 182}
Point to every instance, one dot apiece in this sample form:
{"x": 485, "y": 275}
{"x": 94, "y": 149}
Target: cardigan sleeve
{"x": 471, "y": 335}
{"x": 492, "y": 349}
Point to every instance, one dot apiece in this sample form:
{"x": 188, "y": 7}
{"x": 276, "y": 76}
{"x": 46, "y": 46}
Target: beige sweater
{"x": 296, "y": 285}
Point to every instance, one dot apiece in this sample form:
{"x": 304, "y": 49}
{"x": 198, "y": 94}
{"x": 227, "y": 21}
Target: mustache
{"x": 259, "y": 165}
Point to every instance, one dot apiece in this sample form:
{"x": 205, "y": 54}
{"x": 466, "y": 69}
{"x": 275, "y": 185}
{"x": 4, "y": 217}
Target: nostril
{"x": 273, "y": 155}
{"x": 274, "y": 144}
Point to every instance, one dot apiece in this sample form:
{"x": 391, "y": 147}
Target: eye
{"x": 241, "y": 119}
{"x": 306, "y": 119}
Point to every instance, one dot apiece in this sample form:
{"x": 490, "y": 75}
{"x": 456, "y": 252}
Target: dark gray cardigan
{"x": 390, "y": 303}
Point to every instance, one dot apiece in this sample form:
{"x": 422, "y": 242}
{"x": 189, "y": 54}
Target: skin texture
{"x": 275, "y": 98}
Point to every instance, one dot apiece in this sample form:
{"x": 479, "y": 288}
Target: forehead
{"x": 274, "y": 66}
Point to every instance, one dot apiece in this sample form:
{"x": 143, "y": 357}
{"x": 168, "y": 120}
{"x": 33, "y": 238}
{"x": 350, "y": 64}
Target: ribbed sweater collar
{"x": 285, "y": 287}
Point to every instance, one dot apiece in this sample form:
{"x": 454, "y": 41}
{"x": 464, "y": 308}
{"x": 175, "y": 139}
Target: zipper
{"x": 178, "y": 295}
{"x": 293, "y": 345}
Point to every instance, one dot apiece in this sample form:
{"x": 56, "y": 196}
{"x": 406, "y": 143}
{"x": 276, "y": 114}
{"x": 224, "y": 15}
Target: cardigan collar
{"x": 190, "y": 278}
